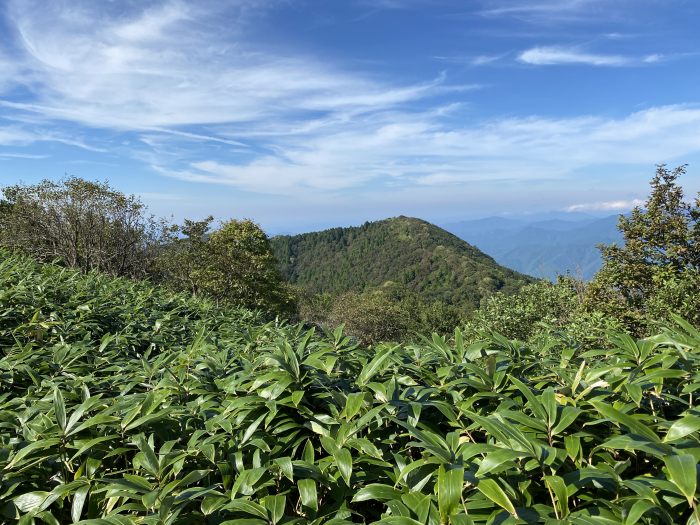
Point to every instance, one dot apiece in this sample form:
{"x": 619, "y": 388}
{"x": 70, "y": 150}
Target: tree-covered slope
{"x": 404, "y": 250}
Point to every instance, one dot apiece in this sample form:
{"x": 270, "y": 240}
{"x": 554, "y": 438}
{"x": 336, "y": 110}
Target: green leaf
{"x": 568, "y": 416}
{"x": 631, "y": 422}
{"x": 343, "y": 459}
{"x": 558, "y": 486}
{"x": 307, "y": 493}
{"x": 377, "y": 491}
{"x": 683, "y": 427}
{"x": 353, "y": 404}
{"x": 398, "y": 520}
{"x": 275, "y": 507}
{"x": 682, "y": 472}
{"x": 248, "y": 507}
{"x": 286, "y": 467}
{"x": 79, "y": 497}
{"x": 535, "y": 404}
{"x": 37, "y": 445}
{"x": 495, "y": 493}
{"x": 59, "y": 407}
{"x": 30, "y": 501}
{"x": 497, "y": 459}
{"x": 99, "y": 419}
{"x": 637, "y": 511}
{"x": 375, "y": 365}
{"x": 449, "y": 490}
{"x": 149, "y": 454}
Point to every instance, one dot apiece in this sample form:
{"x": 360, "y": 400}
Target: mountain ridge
{"x": 543, "y": 248}
{"x": 408, "y": 251}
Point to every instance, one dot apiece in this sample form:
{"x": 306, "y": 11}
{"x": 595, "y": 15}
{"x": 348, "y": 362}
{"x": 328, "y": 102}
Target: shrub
{"x": 232, "y": 265}
{"x": 85, "y": 225}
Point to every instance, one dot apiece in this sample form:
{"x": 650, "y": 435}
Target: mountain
{"x": 543, "y": 248}
{"x": 411, "y": 252}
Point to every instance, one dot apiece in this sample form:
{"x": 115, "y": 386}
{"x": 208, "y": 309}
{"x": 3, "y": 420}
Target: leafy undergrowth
{"x": 125, "y": 404}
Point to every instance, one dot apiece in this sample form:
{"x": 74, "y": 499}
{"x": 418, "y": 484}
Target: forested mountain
{"x": 402, "y": 250}
{"x": 542, "y": 248}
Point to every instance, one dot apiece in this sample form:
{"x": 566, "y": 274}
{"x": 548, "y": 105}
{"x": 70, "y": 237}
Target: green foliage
{"x": 122, "y": 404}
{"x": 659, "y": 261}
{"x": 371, "y": 316}
{"x": 388, "y": 313}
{"x": 540, "y": 309}
{"x": 232, "y": 265}
{"x": 410, "y": 252}
{"x": 85, "y": 225}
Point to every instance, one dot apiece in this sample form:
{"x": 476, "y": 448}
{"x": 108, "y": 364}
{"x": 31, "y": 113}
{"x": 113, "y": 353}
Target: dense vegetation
{"x": 232, "y": 264}
{"x": 92, "y": 226}
{"x": 409, "y": 252}
{"x": 86, "y": 225}
{"x": 657, "y": 270}
{"x": 129, "y": 404}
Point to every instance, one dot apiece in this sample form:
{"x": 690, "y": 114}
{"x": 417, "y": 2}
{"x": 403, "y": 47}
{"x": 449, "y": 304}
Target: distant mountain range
{"x": 543, "y": 247}
{"x": 403, "y": 250}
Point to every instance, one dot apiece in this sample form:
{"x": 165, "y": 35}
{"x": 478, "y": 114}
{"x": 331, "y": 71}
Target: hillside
{"x": 542, "y": 248}
{"x": 404, "y": 250}
{"x": 123, "y": 403}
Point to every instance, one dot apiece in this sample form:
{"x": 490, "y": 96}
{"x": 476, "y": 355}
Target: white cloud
{"x": 176, "y": 64}
{"x": 543, "y": 11}
{"x": 619, "y": 205}
{"x": 553, "y": 55}
{"x": 418, "y": 150}
{"x": 30, "y": 156}
{"x": 483, "y": 60}
{"x": 288, "y": 124}
{"x": 656, "y": 57}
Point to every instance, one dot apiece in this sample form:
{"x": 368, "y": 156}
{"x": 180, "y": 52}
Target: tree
{"x": 181, "y": 262}
{"x": 82, "y": 224}
{"x": 233, "y": 265}
{"x": 661, "y": 246}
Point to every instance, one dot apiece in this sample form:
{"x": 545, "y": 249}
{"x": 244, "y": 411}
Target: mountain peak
{"x": 405, "y": 250}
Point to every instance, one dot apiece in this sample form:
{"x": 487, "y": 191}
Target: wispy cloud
{"x": 155, "y": 69}
{"x": 471, "y": 60}
{"x": 540, "y": 11}
{"x": 553, "y": 55}
{"x": 29, "y": 156}
{"x": 418, "y": 149}
{"x": 289, "y": 124}
{"x": 619, "y": 205}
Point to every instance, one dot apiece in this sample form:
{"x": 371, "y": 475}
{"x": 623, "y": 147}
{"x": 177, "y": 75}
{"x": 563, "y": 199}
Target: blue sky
{"x": 303, "y": 114}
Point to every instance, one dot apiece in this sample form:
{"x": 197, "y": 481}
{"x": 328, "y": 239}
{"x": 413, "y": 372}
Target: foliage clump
{"x": 388, "y": 313}
{"x": 83, "y": 224}
{"x": 656, "y": 272}
{"x": 232, "y": 264}
{"x": 652, "y": 277}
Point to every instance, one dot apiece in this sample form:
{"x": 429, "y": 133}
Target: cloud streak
{"x": 157, "y": 69}
{"x": 619, "y": 205}
{"x": 419, "y": 150}
{"x": 553, "y": 56}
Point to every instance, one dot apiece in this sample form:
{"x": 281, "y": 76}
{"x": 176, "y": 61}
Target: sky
{"x": 303, "y": 114}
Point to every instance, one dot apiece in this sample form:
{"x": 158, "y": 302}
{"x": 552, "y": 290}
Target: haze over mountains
{"x": 543, "y": 247}
{"x": 406, "y": 251}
